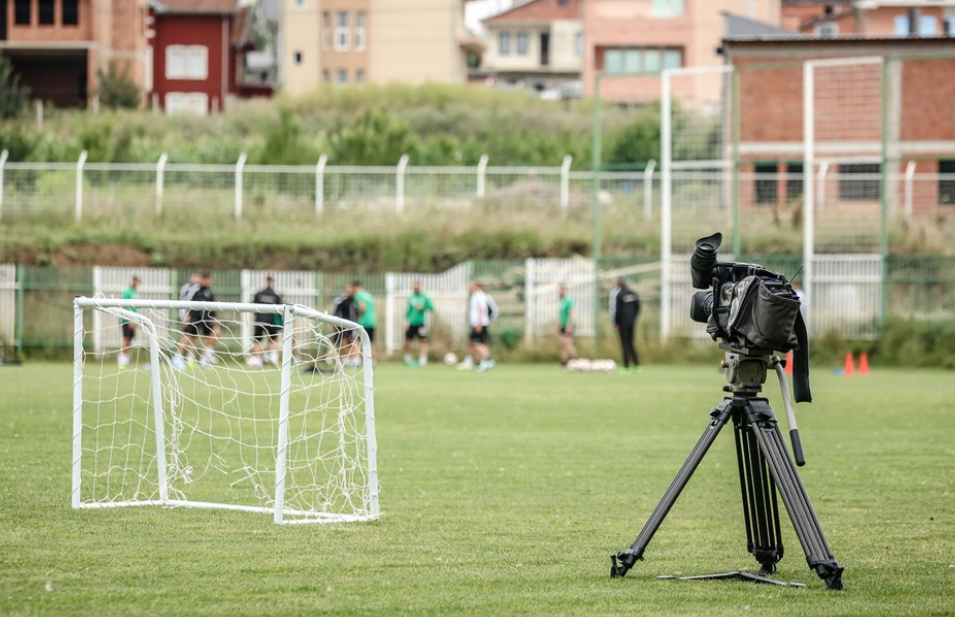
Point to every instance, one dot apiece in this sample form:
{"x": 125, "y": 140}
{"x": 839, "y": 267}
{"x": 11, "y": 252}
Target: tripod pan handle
{"x": 797, "y": 447}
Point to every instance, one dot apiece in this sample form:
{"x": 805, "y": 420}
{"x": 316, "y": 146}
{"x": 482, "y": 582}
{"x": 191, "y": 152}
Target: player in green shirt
{"x": 365, "y": 308}
{"x": 567, "y": 350}
{"x": 418, "y": 306}
{"x": 129, "y": 327}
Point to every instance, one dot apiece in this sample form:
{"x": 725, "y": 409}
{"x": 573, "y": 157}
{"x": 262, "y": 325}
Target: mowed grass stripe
{"x": 504, "y": 493}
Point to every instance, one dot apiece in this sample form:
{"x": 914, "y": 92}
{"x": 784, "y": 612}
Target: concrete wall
{"x": 415, "y": 41}
{"x": 300, "y": 32}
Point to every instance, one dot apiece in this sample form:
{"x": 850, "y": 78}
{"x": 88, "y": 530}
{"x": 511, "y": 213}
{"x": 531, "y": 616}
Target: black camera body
{"x": 748, "y": 309}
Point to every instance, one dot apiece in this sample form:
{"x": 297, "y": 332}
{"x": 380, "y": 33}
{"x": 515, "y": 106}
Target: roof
{"x": 242, "y": 28}
{"x": 740, "y": 26}
{"x": 538, "y": 10}
{"x": 194, "y": 7}
{"x": 844, "y": 40}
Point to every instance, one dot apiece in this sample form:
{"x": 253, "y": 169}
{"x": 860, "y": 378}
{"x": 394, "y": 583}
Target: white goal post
{"x": 284, "y": 425}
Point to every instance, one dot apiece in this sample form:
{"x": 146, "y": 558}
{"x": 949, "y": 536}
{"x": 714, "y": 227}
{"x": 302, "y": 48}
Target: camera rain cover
{"x": 764, "y": 319}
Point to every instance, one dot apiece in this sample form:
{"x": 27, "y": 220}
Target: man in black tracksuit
{"x": 624, "y": 310}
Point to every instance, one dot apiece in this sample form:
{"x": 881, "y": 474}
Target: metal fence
{"x": 36, "y": 303}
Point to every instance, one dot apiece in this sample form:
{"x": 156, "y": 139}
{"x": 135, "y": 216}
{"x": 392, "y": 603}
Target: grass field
{"x": 505, "y": 493}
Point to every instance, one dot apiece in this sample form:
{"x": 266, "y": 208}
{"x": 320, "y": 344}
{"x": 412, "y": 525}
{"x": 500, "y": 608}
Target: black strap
{"x": 801, "y": 362}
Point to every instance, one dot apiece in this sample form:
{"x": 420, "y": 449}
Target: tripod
{"x": 764, "y": 465}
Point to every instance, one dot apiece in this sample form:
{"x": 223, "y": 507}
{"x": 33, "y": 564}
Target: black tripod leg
{"x": 760, "y": 507}
{"x": 818, "y": 554}
{"x": 624, "y": 560}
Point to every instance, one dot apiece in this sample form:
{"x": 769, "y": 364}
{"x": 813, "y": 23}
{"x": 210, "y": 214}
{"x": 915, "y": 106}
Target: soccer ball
{"x": 450, "y": 358}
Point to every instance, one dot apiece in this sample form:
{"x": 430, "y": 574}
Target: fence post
{"x": 79, "y": 186}
{"x": 3, "y": 163}
{"x": 909, "y": 178}
{"x": 320, "y": 185}
{"x": 160, "y": 178}
{"x": 400, "y": 184}
{"x": 481, "y": 175}
{"x": 39, "y": 115}
{"x": 239, "y": 166}
{"x": 390, "y": 314}
{"x": 530, "y": 273}
{"x": 565, "y": 184}
{"x": 648, "y": 189}
{"x": 821, "y": 186}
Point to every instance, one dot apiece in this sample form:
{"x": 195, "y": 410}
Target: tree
{"x": 116, "y": 88}
{"x": 639, "y": 141}
{"x": 13, "y": 96}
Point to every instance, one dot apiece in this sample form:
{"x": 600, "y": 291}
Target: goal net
{"x": 191, "y": 413}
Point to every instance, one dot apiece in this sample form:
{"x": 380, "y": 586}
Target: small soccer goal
{"x": 251, "y": 407}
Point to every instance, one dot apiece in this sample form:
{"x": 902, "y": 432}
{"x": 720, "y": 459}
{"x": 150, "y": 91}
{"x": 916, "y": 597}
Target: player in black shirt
{"x": 267, "y": 326}
{"x": 624, "y": 310}
{"x": 200, "y": 324}
{"x": 343, "y": 306}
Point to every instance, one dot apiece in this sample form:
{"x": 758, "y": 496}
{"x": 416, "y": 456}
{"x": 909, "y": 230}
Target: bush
{"x": 116, "y": 89}
{"x": 13, "y": 96}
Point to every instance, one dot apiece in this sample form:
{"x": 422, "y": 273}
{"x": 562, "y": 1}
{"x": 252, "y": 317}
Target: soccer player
{"x": 129, "y": 327}
{"x": 624, "y": 310}
{"x": 567, "y": 350}
{"x": 268, "y": 326}
{"x": 200, "y": 324}
{"x": 365, "y": 308}
{"x": 343, "y": 306}
{"x": 418, "y": 305}
{"x": 186, "y": 293}
{"x": 479, "y": 318}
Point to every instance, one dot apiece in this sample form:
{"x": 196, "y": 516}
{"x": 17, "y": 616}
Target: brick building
{"x": 900, "y": 113}
{"x": 57, "y": 46}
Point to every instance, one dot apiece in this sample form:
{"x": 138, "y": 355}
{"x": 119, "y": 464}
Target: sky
{"x": 474, "y": 12}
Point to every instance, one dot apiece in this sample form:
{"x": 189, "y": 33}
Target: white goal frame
{"x": 157, "y": 357}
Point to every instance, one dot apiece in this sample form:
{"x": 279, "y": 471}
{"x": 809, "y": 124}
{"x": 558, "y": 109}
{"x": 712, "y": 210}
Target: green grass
{"x": 504, "y": 493}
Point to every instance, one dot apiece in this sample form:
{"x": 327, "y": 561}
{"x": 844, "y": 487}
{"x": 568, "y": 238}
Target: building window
{"x": 579, "y": 43}
{"x": 187, "y": 62}
{"x": 22, "y": 12}
{"x": 299, "y": 4}
{"x": 71, "y": 12}
{"x": 766, "y": 176}
{"x": 946, "y": 182}
{"x": 860, "y": 182}
{"x": 342, "y": 76}
{"x": 326, "y": 76}
{"x": 826, "y": 30}
{"x": 635, "y": 61}
{"x": 326, "y": 30}
{"x": 359, "y": 76}
{"x": 562, "y": 3}
{"x": 522, "y": 43}
{"x": 298, "y": 58}
{"x": 342, "y": 36}
{"x": 360, "y": 31}
{"x": 46, "y": 12}
{"x": 928, "y": 26}
{"x": 667, "y": 8}
{"x": 901, "y": 25}
{"x": 196, "y": 103}
{"x": 794, "y": 181}
{"x": 504, "y": 44}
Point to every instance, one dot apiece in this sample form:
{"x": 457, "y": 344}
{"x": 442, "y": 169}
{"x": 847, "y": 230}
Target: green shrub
{"x": 116, "y": 88}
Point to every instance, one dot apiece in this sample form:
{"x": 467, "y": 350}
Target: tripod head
{"x": 746, "y": 372}
{"x": 746, "y": 368}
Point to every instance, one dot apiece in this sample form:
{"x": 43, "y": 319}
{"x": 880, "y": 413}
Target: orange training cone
{"x": 850, "y": 366}
{"x": 789, "y": 363}
{"x": 863, "y": 363}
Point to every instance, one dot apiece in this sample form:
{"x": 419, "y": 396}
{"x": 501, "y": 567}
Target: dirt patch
{"x": 79, "y": 256}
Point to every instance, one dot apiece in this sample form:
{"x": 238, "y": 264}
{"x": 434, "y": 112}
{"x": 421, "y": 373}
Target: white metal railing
{"x": 83, "y": 189}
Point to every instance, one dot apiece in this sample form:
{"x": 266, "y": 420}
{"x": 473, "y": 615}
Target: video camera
{"x": 749, "y": 309}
